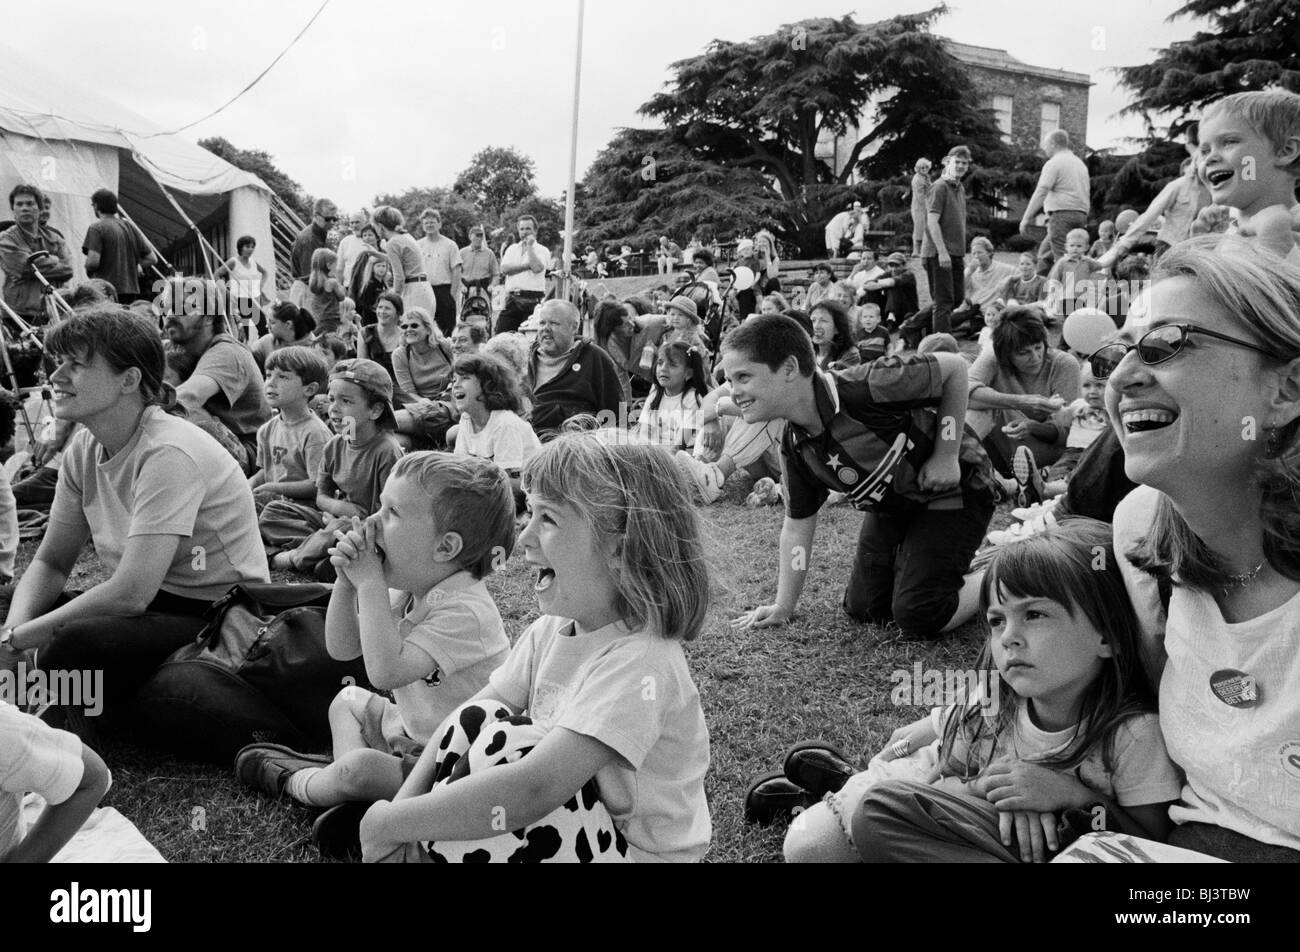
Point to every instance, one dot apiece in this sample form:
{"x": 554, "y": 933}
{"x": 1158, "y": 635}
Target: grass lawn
{"x": 820, "y": 677}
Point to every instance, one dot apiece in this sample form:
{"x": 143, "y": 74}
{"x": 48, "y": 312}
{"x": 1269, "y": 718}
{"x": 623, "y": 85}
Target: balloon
{"x": 744, "y": 278}
{"x": 1087, "y": 329}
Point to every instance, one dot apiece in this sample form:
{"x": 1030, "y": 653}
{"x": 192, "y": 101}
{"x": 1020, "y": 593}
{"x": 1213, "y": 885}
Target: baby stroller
{"x": 708, "y": 304}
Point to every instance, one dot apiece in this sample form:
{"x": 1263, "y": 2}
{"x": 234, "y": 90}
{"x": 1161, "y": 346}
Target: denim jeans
{"x": 911, "y": 563}
{"x": 947, "y": 288}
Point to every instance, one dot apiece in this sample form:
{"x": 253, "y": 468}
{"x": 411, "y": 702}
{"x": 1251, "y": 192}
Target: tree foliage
{"x": 458, "y": 213}
{"x": 1251, "y": 44}
{"x": 263, "y": 166}
{"x": 497, "y": 179}
{"x": 742, "y": 122}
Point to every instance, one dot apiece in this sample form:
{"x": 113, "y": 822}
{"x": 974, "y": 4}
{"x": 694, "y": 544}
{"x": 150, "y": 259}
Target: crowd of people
{"x": 382, "y": 428}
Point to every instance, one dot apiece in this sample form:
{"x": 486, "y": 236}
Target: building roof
{"x": 989, "y": 58}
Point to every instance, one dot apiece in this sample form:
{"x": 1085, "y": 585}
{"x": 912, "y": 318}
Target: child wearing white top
{"x": 671, "y": 416}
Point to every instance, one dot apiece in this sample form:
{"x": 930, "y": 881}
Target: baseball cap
{"x": 374, "y": 380}
{"x": 897, "y": 258}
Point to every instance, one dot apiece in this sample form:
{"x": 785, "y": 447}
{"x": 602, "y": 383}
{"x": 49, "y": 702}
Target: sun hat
{"x": 686, "y": 307}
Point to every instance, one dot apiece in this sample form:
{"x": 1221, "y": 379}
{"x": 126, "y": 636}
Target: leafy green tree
{"x": 497, "y": 179}
{"x": 263, "y": 166}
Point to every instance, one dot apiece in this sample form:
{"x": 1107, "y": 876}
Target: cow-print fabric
{"x": 480, "y": 735}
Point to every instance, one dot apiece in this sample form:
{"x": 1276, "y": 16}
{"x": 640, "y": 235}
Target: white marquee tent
{"x": 70, "y": 141}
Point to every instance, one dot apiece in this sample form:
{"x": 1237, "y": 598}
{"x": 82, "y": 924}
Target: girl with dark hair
{"x": 1060, "y": 718}
{"x": 288, "y": 326}
{"x": 1016, "y": 392}
{"x": 486, "y": 394}
{"x": 833, "y": 336}
{"x": 378, "y": 341}
{"x": 671, "y": 416}
{"x": 167, "y": 508}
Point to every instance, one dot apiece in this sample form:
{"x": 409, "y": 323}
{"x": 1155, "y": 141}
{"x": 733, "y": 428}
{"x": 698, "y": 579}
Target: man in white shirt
{"x": 350, "y": 246}
{"x": 442, "y": 263}
{"x": 524, "y": 265}
{"x": 1064, "y": 193}
{"x": 837, "y": 230}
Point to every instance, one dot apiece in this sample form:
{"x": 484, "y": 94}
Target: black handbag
{"x": 257, "y": 672}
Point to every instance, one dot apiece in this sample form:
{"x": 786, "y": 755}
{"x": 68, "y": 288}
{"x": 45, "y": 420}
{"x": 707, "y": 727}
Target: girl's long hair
{"x": 322, "y": 263}
{"x": 634, "y": 494}
{"x": 1074, "y": 564}
{"x": 1263, "y": 292}
{"x": 693, "y": 356}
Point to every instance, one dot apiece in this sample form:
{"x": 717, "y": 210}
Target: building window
{"x": 1002, "y": 112}
{"x": 1050, "y": 120}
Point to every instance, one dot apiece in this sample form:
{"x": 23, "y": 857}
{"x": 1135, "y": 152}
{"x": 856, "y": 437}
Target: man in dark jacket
{"x": 569, "y": 376}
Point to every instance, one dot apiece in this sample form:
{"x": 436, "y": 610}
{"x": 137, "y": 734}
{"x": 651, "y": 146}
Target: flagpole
{"x": 573, "y": 161}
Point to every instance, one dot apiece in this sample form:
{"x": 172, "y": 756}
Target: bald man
{"x": 568, "y": 375}
{"x": 1063, "y": 192}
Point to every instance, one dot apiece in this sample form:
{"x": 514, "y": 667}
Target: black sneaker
{"x": 337, "y": 832}
{"x": 817, "y": 767}
{"x": 772, "y": 797}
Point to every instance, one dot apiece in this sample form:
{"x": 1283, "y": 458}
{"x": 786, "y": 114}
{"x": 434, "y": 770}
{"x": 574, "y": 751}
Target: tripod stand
{"x": 27, "y": 345}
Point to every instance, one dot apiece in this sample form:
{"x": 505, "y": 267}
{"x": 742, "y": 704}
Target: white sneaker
{"x": 707, "y": 477}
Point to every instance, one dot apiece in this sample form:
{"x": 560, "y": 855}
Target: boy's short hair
{"x": 309, "y": 366}
{"x": 869, "y": 307}
{"x": 1078, "y": 233}
{"x": 1273, "y": 113}
{"x": 770, "y": 339}
{"x": 470, "y": 497}
{"x": 496, "y": 378}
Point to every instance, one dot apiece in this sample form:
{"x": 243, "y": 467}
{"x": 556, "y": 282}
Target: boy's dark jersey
{"x": 879, "y": 425}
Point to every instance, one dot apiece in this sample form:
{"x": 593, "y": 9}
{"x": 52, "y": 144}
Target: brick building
{"x": 1029, "y": 102}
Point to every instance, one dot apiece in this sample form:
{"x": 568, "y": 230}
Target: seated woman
{"x": 288, "y": 326}
{"x": 631, "y": 336}
{"x": 378, "y": 341}
{"x": 1015, "y": 391}
{"x": 1209, "y": 542}
{"x": 168, "y": 510}
{"x": 422, "y": 369}
{"x": 834, "y": 342}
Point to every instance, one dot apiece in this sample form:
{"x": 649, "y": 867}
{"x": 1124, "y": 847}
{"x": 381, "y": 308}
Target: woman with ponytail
{"x": 168, "y": 510}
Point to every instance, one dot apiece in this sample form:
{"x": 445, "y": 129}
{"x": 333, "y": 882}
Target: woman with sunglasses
{"x": 422, "y": 369}
{"x": 1204, "y": 394}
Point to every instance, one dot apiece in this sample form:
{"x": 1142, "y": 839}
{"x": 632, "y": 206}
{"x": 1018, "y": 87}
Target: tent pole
{"x": 566, "y": 263}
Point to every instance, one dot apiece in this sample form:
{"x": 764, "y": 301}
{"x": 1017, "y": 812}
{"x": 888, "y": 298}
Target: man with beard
{"x": 568, "y": 376}
{"x": 223, "y": 394}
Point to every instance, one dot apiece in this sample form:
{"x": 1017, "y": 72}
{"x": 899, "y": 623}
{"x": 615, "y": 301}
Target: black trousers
{"x": 445, "y": 316}
{"x": 519, "y": 308}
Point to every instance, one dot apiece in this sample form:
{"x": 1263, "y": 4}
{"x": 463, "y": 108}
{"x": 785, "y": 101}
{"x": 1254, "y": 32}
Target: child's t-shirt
{"x": 459, "y": 627}
{"x": 874, "y": 344}
{"x": 358, "y": 472}
{"x": 633, "y": 692}
{"x": 291, "y": 452}
{"x": 1074, "y": 282}
{"x": 34, "y": 758}
{"x": 674, "y": 422}
{"x": 1143, "y": 773}
{"x": 1085, "y": 423}
{"x": 506, "y": 439}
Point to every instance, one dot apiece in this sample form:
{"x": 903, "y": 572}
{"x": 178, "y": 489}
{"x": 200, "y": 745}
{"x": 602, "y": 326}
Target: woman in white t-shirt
{"x": 486, "y": 392}
{"x": 1204, "y": 392}
{"x": 167, "y": 508}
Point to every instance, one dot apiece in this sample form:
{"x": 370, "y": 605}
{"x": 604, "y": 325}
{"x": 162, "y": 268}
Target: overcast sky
{"x": 381, "y": 95}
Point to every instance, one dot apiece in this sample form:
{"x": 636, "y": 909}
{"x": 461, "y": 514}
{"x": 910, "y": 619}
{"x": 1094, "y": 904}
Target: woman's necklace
{"x": 1244, "y": 578}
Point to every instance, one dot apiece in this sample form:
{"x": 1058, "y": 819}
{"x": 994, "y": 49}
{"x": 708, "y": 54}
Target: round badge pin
{"x": 848, "y": 476}
{"x": 577, "y": 368}
{"x": 1235, "y": 688}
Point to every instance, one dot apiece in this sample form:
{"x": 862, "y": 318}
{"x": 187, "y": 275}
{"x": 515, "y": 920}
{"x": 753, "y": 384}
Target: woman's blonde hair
{"x": 1262, "y": 291}
{"x": 637, "y": 495}
{"x": 322, "y": 263}
{"x": 425, "y": 318}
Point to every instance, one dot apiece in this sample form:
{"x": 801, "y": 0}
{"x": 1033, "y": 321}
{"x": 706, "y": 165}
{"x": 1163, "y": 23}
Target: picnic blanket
{"x": 1106, "y": 847}
{"x": 107, "y": 837}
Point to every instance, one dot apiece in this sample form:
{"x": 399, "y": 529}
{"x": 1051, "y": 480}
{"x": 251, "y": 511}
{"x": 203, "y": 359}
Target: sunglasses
{"x": 331, "y": 217}
{"x": 410, "y": 327}
{"x": 1159, "y": 345}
